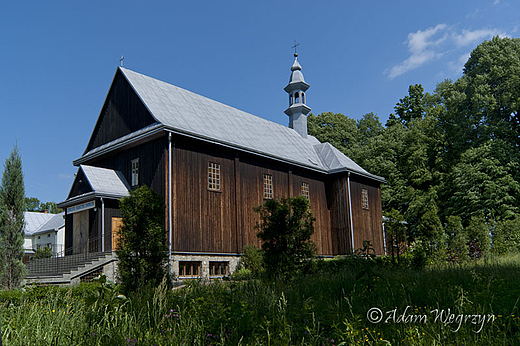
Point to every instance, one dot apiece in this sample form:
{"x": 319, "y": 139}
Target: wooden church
{"x": 213, "y": 164}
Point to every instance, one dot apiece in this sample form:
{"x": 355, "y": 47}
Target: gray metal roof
{"x": 56, "y": 222}
{"x": 106, "y": 181}
{"x": 194, "y": 115}
{"x": 36, "y": 222}
{"x": 103, "y": 183}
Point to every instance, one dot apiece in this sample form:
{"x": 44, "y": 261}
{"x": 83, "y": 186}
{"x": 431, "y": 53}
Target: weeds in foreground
{"x": 328, "y": 307}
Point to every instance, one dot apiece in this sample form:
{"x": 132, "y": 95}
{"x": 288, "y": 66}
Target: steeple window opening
{"x": 296, "y": 98}
{"x": 303, "y": 97}
{"x": 290, "y": 100}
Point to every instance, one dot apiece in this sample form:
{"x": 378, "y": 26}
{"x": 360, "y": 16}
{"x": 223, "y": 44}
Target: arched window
{"x": 297, "y": 98}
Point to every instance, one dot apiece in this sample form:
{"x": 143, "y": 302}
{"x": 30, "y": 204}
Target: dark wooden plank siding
{"x": 319, "y": 206}
{"x": 252, "y": 172}
{"x": 204, "y": 220}
{"x": 339, "y": 215}
{"x": 68, "y": 234}
{"x": 152, "y": 161}
{"x": 122, "y": 113}
{"x": 367, "y": 222}
{"x": 212, "y": 221}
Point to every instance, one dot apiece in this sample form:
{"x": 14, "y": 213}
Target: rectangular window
{"x": 218, "y": 268}
{"x": 305, "y": 190}
{"x": 364, "y": 198}
{"x": 214, "y": 176}
{"x": 268, "y": 186}
{"x": 189, "y": 268}
{"x": 135, "y": 172}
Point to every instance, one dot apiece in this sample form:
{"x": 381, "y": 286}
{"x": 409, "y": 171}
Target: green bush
{"x": 506, "y": 236}
{"x": 252, "y": 260}
{"x": 142, "y": 249}
{"x": 286, "y": 227}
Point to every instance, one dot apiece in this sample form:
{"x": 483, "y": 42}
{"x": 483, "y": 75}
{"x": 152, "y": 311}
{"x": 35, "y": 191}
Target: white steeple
{"x": 296, "y": 89}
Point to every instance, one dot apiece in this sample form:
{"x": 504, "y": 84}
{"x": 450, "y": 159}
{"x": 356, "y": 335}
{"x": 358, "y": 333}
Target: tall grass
{"x": 328, "y": 307}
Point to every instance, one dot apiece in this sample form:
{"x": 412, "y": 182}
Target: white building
{"x": 44, "y": 230}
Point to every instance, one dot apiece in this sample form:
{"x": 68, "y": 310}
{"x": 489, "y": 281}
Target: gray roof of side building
{"x": 36, "y": 222}
{"x": 185, "y": 112}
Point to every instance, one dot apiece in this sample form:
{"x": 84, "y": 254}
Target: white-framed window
{"x": 268, "y": 186}
{"x": 305, "y": 190}
{"x": 135, "y": 172}
{"x": 364, "y": 198}
{"x": 214, "y": 176}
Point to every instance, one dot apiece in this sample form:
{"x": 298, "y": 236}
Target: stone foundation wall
{"x": 204, "y": 260}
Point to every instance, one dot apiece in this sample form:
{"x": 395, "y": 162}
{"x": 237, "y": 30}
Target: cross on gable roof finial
{"x": 121, "y": 60}
{"x": 295, "y": 45}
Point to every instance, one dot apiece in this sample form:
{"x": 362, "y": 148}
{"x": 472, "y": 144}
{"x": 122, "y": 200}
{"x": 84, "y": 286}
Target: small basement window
{"x": 218, "y": 268}
{"x": 189, "y": 268}
{"x": 214, "y": 176}
{"x": 135, "y": 172}
{"x": 364, "y": 198}
{"x": 305, "y": 190}
{"x": 268, "y": 186}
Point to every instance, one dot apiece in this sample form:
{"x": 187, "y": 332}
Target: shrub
{"x": 286, "y": 227}
{"x": 142, "y": 250}
{"x": 252, "y": 260}
{"x": 506, "y": 238}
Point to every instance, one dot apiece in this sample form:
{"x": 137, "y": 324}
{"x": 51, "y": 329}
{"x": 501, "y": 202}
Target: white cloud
{"x": 422, "y": 46}
{"x": 476, "y": 36}
{"x": 434, "y": 42}
{"x": 496, "y": 2}
{"x": 474, "y": 14}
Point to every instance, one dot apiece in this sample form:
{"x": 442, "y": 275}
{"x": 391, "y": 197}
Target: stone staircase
{"x": 68, "y": 269}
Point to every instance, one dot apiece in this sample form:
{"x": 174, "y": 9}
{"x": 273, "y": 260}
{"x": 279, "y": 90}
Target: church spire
{"x": 296, "y": 89}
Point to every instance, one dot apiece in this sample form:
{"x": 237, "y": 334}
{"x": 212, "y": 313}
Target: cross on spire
{"x": 121, "y": 60}
{"x": 295, "y": 45}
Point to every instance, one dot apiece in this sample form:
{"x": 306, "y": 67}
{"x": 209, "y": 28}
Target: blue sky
{"x": 58, "y": 59}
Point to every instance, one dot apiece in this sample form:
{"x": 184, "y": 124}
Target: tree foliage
{"x": 12, "y": 222}
{"x": 142, "y": 248}
{"x": 286, "y": 227}
{"x": 34, "y": 204}
{"x": 450, "y": 153}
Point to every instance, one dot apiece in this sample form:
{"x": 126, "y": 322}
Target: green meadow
{"x": 331, "y": 306}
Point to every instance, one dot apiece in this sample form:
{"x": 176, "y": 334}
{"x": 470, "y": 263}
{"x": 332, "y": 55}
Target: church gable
{"x": 80, "y": 186}
{"x": 122, "y": 113}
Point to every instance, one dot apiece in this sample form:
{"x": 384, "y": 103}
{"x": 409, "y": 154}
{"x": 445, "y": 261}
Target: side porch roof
{"x": 95, "y": 182}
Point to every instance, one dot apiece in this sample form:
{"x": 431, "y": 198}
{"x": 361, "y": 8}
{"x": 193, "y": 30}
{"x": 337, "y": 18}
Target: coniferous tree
{"x": 12, "y": 222}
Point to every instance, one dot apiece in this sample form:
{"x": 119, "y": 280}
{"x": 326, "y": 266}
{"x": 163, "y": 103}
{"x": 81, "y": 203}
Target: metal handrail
{"x": 67, "y": 260}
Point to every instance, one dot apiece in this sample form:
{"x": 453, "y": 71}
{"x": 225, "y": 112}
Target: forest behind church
{"x": 451, "y": 158}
